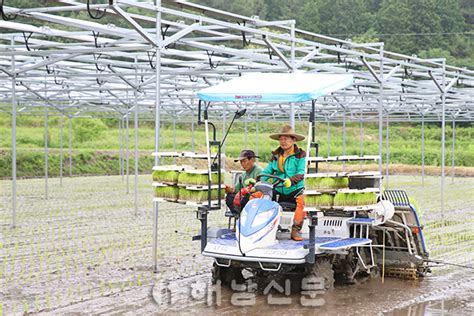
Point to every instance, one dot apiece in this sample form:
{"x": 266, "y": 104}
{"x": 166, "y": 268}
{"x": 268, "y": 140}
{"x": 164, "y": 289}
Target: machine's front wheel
{"x": 226, "y": 274}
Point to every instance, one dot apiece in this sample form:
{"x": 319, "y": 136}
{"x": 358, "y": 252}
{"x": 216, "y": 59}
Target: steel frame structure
{"x": 74, "y": 66}
{"x": 200, "y": 46}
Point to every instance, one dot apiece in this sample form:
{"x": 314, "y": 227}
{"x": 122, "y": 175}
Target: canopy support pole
{"x": 163, "y": 131}
{"x": 381, "y": 87}
{"x": 246, "y": 134}
{"x": 292, "y": 61}
{"x": 224, "y": 123}
{"x": 14, "y": 193}
{"x": 343, "y": 136}
{"x": 120, "y": 154}
{"x": 135, "y": 94}
{"x": 157, "y": 128}
{"x": 443, "y": 130}
{"x": 70, "y": 146}
{"x": 422, "y": 150}
{"x": 127, "y": 150}
{"x": 387, "y": 152}
{"x": 174, "y": 135}
{"x": 192, "y": 136}
{"x": 256, "y": 138}
{"x": 61, "y": 122}
{"x": 452, "y": 151}
{"x": 361, "y": 136}
{"x": 329, "y": 137}
{"x": 46, "y": 161}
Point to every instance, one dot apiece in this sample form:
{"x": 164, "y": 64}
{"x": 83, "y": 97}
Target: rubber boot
{"x": 295, "y": 234}
{"x": 298, "y": 219}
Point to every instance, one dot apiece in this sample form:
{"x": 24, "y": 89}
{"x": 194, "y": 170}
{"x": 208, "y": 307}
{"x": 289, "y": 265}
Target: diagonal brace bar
{"x": 390, "y": 74}
{"x": 180, "y": 34}
{"x": 148, "y": 37}
{"x": 436, "y": 82}
{"x": 371, "y": 70}
{"x": 451, "y": 83}
{"x": 277, "y": 52}
{"x": 306, "y": 58}
{"x": 124, "y": 79}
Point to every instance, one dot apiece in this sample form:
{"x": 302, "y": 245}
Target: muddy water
{"x": 445, "y": 293}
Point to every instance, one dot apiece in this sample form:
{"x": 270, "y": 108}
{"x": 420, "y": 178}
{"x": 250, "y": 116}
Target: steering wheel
{"x": 277, "y": 182}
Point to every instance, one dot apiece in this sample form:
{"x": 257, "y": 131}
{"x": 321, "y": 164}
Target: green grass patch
{"x": 98, "y": 136}
{"x": 31, "y": 163}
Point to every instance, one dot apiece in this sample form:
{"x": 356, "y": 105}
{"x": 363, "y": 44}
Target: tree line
{"x": 426, "y": 28}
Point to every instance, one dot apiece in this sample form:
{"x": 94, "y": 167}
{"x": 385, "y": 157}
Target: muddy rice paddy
{"x": 85, "y": 249}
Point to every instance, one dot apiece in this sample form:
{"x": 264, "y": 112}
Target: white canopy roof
{"x": 276, "y": 87}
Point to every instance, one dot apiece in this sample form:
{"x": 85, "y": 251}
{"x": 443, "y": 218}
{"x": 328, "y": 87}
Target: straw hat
{"x": 287, "y": 130}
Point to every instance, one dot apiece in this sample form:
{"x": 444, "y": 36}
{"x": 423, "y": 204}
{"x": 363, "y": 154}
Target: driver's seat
{"x": 288, "y": 206}
{"x": 286, "y": 217}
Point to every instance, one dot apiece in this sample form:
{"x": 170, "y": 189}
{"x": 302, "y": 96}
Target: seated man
{"x": 251, "y": 171}
{"x": 289, "y": 161}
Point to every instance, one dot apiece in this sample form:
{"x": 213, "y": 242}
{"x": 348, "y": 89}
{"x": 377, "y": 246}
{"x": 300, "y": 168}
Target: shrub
{"x": 87, "y": 129}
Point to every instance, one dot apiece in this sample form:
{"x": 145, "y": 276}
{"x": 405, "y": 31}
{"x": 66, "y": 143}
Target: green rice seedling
{"x": 358, "y": 199}
{"x": 341, "y": 199}
{"x": 215, "y": 194}
{"x": 167, "y": 192}
{"x": 168, "y": 176}
{"x": 197, "y": 178}
{"x": 313, "y": 183}
{"x": 183, "y": 194}
{"x": 352, "y": 199}
{"x": 319, "y": 200}
{"x": 355, "y": 198}
{"x": 341, "y": 183}
{"x": 372, "y": 198}
{"x": 309, "y": 200}
{"x": 326, "y": 183}
{"x": 367, "y": 198}
{"x": 192, "y": 178}
{"x": 26, "y": 307}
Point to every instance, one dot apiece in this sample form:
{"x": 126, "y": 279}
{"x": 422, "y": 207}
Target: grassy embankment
{"x": 96, "y": 144}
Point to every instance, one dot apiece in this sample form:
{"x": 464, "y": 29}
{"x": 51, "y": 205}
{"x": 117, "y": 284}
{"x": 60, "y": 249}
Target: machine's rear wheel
{"x": 322, "y": 268}
{"x": 226, "y": 275}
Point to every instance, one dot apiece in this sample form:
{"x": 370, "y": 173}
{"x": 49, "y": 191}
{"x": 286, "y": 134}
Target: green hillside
{"x": 96, "y": 143}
